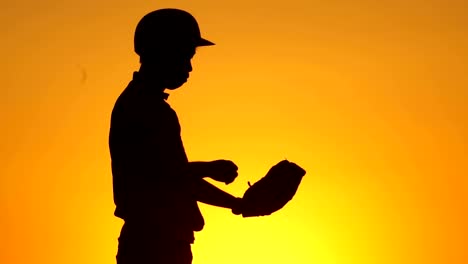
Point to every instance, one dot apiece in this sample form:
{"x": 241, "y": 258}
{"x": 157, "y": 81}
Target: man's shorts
{"x": 146, "y": 248}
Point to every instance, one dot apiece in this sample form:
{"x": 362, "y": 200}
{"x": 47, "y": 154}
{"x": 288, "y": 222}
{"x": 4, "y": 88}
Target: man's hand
{"x": 221, "y": 170}
{"x": 237, "y": 206}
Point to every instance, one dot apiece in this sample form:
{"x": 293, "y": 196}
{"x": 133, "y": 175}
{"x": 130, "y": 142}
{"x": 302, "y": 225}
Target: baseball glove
{"x": 273, "y": 191}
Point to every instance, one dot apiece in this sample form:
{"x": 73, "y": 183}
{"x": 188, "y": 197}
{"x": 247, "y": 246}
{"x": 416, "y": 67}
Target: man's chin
{"x": 175, "y": 85}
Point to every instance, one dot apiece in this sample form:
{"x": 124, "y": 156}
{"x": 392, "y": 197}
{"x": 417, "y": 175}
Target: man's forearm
{"x": 197, "y": 169}
{"x": 207, "y": 193}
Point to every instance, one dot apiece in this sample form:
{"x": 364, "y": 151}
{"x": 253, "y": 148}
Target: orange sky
{"x": 368, "y": 96}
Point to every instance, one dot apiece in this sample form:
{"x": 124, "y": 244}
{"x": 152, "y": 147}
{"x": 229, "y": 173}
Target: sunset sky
{"x": 370, "y": 97}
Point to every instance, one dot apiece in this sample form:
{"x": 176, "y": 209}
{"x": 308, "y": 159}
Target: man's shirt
{"x": 152, "y": 185}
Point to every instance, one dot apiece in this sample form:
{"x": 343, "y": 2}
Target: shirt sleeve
{"x": 148, "y": 159}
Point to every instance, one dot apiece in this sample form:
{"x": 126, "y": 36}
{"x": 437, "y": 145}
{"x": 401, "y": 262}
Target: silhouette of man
{"x": 156, "y": 188}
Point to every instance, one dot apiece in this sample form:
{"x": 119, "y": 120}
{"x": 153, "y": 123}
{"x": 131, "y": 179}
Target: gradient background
{"x": 370, "y": 97}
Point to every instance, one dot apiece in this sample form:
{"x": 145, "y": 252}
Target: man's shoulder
{"x": 135, "y": 104}
{"x": 135, "y": 98}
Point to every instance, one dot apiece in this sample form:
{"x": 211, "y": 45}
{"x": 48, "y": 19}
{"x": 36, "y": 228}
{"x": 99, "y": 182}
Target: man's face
{"x": 176, "y": 67}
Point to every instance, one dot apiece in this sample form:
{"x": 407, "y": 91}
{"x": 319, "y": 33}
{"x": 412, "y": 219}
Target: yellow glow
{"x": 368, "y": 96}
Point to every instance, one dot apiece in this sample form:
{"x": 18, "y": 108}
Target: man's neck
{"x": 149, "y": 77}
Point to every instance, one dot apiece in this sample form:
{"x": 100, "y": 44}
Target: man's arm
{"x": 198, "y": 169}
{"x": 207, "y": 193}
{"x": 219, "y": 170}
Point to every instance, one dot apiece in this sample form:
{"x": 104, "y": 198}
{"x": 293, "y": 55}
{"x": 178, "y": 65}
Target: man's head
{"x": 166, "y": 40}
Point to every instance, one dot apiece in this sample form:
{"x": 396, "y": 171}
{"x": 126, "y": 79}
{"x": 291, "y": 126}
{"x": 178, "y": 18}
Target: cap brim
{"x": 204, "y": 42}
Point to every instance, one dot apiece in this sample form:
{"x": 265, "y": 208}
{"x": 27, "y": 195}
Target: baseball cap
{"x": 165, "y": 28}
